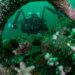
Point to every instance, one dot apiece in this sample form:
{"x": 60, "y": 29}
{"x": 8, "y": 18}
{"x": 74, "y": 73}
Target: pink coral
{"x": 71, "y": 13}
{"x": 65, "y": 7}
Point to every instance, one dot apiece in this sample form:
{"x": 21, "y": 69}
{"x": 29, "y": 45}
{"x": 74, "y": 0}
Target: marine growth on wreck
{"x": 37, "y": 37}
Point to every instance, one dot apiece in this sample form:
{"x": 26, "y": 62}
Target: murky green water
{"x": 72, "y": 2}
{"x": 33, "y": 7}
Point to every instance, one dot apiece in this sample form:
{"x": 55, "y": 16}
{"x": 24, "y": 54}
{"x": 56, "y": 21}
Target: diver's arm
{"x": 52, "y": 10}
{"x": 18, "y": 14}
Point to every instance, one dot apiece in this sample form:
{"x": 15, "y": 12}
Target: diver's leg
{"x": 17, "y": 17}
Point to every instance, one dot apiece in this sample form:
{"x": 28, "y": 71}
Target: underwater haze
{"x": 32, "y": 7}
